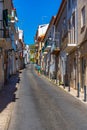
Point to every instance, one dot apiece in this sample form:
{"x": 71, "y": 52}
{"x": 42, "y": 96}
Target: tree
{"x": 32, "y": 53}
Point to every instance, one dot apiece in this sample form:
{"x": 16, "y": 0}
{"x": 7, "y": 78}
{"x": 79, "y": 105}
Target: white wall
{"x": 20, "y": 34}
{"x": 42, "y": 29}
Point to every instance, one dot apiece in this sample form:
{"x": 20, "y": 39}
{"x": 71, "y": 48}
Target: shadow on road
{"x": 7, "y": 95}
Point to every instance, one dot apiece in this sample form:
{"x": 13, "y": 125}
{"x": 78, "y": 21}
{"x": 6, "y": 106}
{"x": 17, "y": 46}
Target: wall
{"x": 1, "y": 72}
{"x": 82, "y": 32}
{"x": 61, "y": 29}
{"x": 82, "y": 41}
{"x": 42, "y": 29}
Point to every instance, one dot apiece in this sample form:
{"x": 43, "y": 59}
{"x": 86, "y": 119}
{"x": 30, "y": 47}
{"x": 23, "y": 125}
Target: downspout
{"x": 78, "y": 60}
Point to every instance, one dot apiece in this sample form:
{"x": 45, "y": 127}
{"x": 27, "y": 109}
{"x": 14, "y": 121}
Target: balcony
{"x": 45, "y": 52}
{"x": 47, "y": 46}
{"x": 71, "y": 42}
{"x": 36, "y": 45}
{"x": 12, "y": 18}
{"x": 70, "y": 47}
{"x": 55, "y": 49}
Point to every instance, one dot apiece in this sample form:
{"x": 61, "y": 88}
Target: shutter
{"x": 5, "y": 18}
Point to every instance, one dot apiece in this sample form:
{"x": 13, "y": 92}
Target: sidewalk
{"x": 72, "y": 91}
{"x": 7, "y": 99}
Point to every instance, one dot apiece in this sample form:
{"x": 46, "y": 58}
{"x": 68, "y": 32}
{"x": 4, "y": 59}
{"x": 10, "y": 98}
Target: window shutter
{"x": 5, "y": 18}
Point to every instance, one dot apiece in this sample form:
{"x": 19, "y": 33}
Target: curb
{"x": 71, "y": 93}
{"x": 9, "y": 117}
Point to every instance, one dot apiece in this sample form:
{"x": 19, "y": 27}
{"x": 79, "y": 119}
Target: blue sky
{"x": 32, "y": 13}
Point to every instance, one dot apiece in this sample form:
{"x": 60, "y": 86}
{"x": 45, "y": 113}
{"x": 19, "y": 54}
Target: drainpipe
{"x": 78, "y": 60}
{"x": 56, "y": 69}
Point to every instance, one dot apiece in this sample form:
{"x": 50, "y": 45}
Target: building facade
{"x": 60, "y": 33}
{"x": 5, "y": 41}
{"x": 48, "y": 58}
{"x": 40, "y": 33}
{"x": 8, "y": 48}
{"x": 26, "y": 54}
{"x": 71, "y": 46}
{"x": 65, "y": 54}
{"x": 82, "y": 43}
{"x": 19, "y": 37}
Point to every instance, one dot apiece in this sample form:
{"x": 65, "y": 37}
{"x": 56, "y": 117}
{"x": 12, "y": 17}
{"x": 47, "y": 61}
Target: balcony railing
{"x": 70, "y": 43}
{"x": 55, "y": 49}
{"x": 46, "y": 47}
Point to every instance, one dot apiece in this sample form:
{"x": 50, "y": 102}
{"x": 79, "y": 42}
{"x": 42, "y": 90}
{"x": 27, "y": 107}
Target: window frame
{"x": 83, "y": 17}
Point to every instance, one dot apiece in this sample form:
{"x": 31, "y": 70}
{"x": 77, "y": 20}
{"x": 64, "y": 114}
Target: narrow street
{"x": 40, "y": 105}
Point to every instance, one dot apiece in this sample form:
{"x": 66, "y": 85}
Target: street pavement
{"x": 41, "y": 105}
{"x": 71, "y": 91}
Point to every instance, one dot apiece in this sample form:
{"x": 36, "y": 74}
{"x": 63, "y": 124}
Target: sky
{"x": 32, "y": 13}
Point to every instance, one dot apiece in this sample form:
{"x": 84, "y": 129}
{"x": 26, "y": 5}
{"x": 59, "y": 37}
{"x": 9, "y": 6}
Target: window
{"x": 69, "y": 4}
{"x": 73, "y": 2}
{"x": 83, "y": 17}
{"x": 74, "y": 63}
{"x": 83, "y": 65}
{"x": 5, "y": 18}
{"x": 73, "y": 29}
{"x": 73, "y": 20}
{"x": 64, "y": 21}
{"x": 69, "y": 24}
{"x": 63, "y": 27}
{"x": 69, "y": 31}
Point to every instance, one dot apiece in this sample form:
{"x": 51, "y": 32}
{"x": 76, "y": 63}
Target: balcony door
{"x": 73, "y": 28}
{"x": 74, "y": 73}
{"x": 83, "y": 76}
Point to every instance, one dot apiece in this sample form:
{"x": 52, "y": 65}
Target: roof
{"x": 63, "y": 3}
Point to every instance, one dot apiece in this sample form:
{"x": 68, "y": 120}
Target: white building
{"x": 20, "y": 46}
{"x": 26, "y": 54}
{"x": 42, "y": 29}
{"x": 38, "y": 40}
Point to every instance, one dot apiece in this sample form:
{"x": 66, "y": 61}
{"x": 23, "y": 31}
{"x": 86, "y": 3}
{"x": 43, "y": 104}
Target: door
{"x": 74, "y": 73}
{"x": 83, "y": 62}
